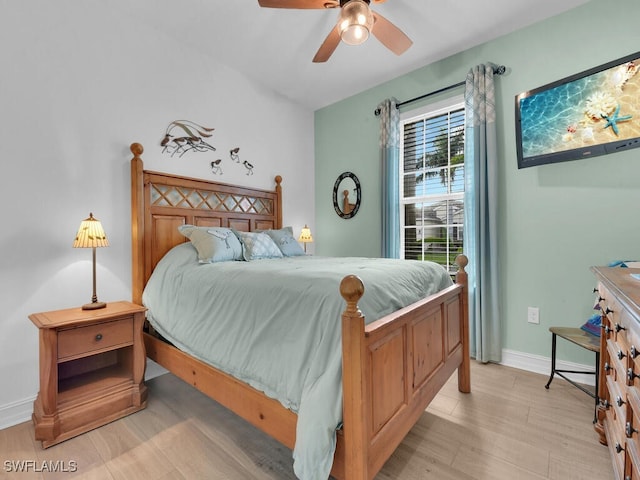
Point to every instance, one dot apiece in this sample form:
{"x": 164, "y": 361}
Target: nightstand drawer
{"x": 78, "y": 342}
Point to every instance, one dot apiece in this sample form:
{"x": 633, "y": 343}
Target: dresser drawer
{"x": 616, "y": 368}
{"x": 633, "y": 460}
{"x": 617, "y": 444}
{"x": 609, "y": 306}
{"x": 81, "y": 341}
{"x": 617, "y": 410}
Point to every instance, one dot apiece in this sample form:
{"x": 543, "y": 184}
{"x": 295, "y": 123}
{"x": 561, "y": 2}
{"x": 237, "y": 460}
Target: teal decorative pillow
{"x": 257, "y": 245}
{"x": 285, "y": 241}
{"x": 214, "y": 244}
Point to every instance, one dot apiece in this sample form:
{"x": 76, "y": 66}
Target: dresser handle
{"x": 608, "y": 311}
{"x": 631, "y": 374}
{"x": 620, "y": 327}
{"x": 605, "y": 404}
{"x": 606, "y": 329}
{"x": 619, "y": 400}
{"x": 98, "y": 337}
{"x": 634, "y": 351}
{"x": 595, "y": 290}
{"x": 619, "y": 448}
{"x": 629, "y": 430}
{"x": 621, "y": 354}
{"x": 607, "y": 367}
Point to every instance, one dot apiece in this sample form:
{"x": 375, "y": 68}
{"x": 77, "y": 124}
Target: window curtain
{"x": 390, "y": 155}
{"x": 480, "y": 223}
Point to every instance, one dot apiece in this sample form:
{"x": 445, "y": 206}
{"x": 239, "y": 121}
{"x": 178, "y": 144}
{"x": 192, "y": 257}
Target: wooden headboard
{"x": 161, "y": 202}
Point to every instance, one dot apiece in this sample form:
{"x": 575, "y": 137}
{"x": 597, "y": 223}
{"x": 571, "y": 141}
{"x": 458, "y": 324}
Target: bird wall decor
{"x": 187, "y": 141}
{"x": 183, "y": 136}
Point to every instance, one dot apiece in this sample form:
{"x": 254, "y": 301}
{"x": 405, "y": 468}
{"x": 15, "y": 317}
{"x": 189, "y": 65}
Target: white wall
{"x": 78, "y": 84}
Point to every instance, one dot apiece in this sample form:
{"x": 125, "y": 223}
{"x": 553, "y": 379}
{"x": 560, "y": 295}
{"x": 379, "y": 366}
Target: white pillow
{"x": 257, "y": 245}
{"x": 214, "y": 244}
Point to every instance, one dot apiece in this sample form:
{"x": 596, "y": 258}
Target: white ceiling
{"x": 276, "y": 46}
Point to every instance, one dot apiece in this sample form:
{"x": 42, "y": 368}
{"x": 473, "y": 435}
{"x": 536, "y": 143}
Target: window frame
{"x": 427, "y": 111}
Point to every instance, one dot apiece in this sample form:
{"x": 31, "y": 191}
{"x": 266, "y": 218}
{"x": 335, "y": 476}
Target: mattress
{"x": 276, "y": 325}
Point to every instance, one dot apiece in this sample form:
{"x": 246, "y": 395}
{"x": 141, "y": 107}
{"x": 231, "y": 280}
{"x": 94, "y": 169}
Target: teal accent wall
{"x": 555, "y": 221}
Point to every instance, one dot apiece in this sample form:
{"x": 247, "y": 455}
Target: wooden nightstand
{"x": 92, "y": 366}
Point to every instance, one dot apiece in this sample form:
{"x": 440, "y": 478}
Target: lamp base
{"x": 94, "y": 306}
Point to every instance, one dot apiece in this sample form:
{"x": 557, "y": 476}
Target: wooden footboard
{"x": 393, "y": 367}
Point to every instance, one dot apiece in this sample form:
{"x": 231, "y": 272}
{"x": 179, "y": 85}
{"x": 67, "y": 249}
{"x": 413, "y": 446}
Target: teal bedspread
{"x": 276, "y": 325}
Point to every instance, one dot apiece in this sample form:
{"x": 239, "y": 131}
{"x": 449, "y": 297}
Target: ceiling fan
{"x": 354, "y": 25}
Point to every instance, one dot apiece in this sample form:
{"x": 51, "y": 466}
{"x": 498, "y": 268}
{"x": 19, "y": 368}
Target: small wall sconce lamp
{"x": 91, "y": 235}
{"x": 305, "y": 237}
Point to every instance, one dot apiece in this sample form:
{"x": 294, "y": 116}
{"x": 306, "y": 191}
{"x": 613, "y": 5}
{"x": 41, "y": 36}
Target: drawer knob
{"x": 595, "y": 290}
{"x": 621, "y": 354}
{"x": 606, "y": 329}
{"x": 629, "y": 430}
{"x": 608, "y": 311}
{"x": 619, "y": 448}
{"x": 633, "y": 351}
{"x": 631, "y": 374}
{"x": 619, "y": 401}
{"x": 607, "y": 367}
{"x": 98, "y": 337}
{"x": 620, "y": 327}
{"x": 605, "y": 404}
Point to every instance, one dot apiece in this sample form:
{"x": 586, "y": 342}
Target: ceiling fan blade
{"x": 307, "y": 4}
{"x": 328, "y": 46}
{"x": 389, "y": 35}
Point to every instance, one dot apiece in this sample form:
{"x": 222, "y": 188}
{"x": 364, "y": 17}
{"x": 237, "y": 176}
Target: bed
{"x": 391, "y": 368}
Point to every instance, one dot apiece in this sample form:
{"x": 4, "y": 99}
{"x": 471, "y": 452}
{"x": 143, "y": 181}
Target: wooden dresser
{"x": 618, "y": 416}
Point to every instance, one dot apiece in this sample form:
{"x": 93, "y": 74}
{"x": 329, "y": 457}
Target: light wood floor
{"x": 508, "y": 427}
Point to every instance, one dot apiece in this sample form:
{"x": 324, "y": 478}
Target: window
{"x": 432, "y": 183}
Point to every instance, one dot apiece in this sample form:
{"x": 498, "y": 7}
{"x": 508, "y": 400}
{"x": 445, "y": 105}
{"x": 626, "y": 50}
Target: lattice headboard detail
{"x": 161, "y": 202}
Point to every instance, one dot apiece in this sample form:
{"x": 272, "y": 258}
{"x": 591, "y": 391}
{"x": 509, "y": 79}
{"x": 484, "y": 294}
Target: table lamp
{"x": 305, "y": 237}
{"x": 91, "y": 235}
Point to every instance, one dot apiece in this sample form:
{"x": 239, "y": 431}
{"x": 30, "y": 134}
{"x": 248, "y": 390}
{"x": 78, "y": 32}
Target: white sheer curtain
{"x": 480, "y": 225}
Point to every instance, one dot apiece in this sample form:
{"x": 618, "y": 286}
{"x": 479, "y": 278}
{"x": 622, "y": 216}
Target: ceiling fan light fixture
{"x": 355, "y": 22}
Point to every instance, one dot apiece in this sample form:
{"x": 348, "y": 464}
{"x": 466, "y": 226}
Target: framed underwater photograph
{"x": 591, "y": 113}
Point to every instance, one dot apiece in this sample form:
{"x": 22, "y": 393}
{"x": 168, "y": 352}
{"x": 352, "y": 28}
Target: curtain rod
{"x": 496, "y": 71}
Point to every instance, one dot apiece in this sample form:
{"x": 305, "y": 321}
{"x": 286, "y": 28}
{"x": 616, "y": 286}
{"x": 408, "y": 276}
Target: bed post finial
{"x": 136, "y": 149}
{"x": 462, "y": 261}
{"x": 351, "y": 289}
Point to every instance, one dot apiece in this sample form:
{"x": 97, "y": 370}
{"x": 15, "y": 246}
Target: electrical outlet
{"x": 533, "y": 315}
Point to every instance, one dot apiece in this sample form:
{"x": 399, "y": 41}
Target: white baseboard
{"x": 16, "y": 412}
{"x": 542, "y": 365}
{"x": 20, "y": 411}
